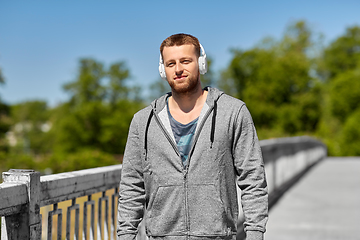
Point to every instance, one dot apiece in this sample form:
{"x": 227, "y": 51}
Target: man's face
{"x": 181, "y": 68}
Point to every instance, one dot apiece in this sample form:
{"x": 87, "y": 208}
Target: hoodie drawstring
{"x": 146, "y": 132}
{"x": 212, "y": 133}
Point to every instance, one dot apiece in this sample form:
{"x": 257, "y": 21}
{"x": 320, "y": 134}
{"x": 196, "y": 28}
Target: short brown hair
{"x": 179, "y": 40}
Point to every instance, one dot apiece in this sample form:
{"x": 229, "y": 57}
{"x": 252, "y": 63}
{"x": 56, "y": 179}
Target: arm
{"x": 251, "y": 176}
{"x": 131, "y": 192}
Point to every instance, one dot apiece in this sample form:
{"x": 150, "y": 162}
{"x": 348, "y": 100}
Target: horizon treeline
{"x": 292, "y": 86}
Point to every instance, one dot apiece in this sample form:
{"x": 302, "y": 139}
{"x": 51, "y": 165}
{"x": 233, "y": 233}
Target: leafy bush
{"x": 350, "y": 137}
{"x": 82, "y": 159}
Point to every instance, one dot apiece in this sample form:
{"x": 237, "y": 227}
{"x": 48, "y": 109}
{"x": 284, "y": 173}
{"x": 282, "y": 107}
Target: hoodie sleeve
{"x": 132, "y": 191}
{"x": 251, "y": 175}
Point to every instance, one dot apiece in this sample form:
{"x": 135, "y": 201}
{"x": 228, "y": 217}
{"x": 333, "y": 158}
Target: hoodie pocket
{"x": 206, "y": 211}
{"x": 167, "y": 212}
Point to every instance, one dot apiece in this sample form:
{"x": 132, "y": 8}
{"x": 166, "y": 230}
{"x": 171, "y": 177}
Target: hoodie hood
{"x": 213, "y": 95}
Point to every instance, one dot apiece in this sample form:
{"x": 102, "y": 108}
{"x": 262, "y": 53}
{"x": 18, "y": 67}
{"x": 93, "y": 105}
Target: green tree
{"x": 5, "y": 121}
{"x": 339, "y": 68}
{"x": 77, "y": 127}
{"x": 2, "y": 79}
{"x": 88, "y": 85}
{"x": 341, "y": 65}
{"x": 118, "y": 74}
{"x": 158, "y": 88}
{"x": 100, "y": 109}
{"x": 115, "y": 125}
{"x": 350, "y": 135}
{"x": 273, "y": 79}
{"x": 345, "y": 94}
{"x": 81, "y": 159}
{"x": 341, "y": 55}
{"x": 5, "y": 124}
{"x": 30, "y": 126}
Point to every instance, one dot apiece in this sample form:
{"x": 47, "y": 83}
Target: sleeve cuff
{"x": 126, "y": 237}
{"x": 254, "y": 235}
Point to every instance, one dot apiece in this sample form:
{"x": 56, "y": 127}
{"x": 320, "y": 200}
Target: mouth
{"x": 178, "y": 78}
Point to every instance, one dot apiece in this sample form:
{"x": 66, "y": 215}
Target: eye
{"x": 170, "y": 64}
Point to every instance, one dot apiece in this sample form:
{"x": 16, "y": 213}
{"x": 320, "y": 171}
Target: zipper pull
{"x": 185, "y": 173}
{"x": 228, "y": 232}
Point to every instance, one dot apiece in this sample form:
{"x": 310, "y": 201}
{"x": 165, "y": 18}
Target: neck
{"x": 186, "y": 102}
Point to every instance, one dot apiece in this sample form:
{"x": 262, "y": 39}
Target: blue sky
{"x": 42, "y": 41}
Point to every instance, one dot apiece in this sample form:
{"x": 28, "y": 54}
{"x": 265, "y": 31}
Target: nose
{"x": 178, "y": 69}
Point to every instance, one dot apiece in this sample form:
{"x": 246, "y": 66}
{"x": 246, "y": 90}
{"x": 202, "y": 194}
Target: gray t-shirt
{"x": 183, "y": 134}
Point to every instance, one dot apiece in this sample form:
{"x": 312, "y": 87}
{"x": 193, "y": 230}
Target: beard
{"x": 188, "y": 86}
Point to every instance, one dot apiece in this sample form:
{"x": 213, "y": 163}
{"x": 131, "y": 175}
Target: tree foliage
{"x": 89, "y": 130}
{"x": 350, "y": 135}
{"x": 2, "y": 79}
{"x": 345, "y": 94}
{"x": 5, "y": 121}
{"x": 99, "y": 111}
{"x": 273, "y": 79}
{"x": 293, "y": 87}
{"x": 340, "y": 70}
{"x": 342, "y": 55}
{"x": 30, "y": 126}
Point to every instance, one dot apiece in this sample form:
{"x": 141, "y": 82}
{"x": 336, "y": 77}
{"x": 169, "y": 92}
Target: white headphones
{"x": 202, "y": 64}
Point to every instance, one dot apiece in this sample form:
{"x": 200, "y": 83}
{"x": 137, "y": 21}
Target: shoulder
{"x": 229, "y": 101}
{"x": 141, "y": 117}
{"x": 231, "y": 104}
{"x": 235, "y": 107}
{"x": 223, "y": 99}
{"x": 143, "y": 113}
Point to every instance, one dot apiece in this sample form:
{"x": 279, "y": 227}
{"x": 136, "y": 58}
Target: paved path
{"x": 323, "y": 205}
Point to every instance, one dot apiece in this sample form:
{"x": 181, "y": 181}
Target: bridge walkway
{"x": 323, "y": 205}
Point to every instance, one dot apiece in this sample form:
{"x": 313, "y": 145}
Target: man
{"x": 186, "y": 153}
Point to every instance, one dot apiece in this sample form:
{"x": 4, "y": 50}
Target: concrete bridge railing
{"x": 286, "y": 160}
{"x": 24, "y": 195}
{"x": 33, "y": 206}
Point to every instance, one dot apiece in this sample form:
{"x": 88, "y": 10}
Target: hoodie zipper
{"x": 187, "y": 222}
{"x": 197, "y": 136}
{"x": 173, "y": 144}
{"x": 185, "y": 171}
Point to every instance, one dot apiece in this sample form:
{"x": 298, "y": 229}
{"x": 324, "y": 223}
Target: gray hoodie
{"x": 199, "y": 201}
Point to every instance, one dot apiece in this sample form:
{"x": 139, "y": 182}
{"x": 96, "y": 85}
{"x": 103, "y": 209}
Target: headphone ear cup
{"x": 202, "y": 65}
{"x": 202, "y": 61}
{"x": 162, "y": 71}
{"x": 162, "y": 68}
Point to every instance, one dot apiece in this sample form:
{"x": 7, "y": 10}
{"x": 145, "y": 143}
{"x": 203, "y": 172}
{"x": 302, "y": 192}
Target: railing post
{"x": 27, "y": 223}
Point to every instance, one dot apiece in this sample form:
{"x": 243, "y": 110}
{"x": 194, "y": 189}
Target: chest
{"x": 185, "y": 117}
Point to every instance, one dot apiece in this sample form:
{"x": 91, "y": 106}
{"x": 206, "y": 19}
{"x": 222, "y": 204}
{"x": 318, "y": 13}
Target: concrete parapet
{"x": 286, "y": 161}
